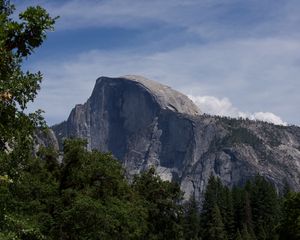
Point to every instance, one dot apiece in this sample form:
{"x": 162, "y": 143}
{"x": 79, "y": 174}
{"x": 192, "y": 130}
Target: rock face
{"x": 45, "y": 138}
{"x": 144, "y": 123}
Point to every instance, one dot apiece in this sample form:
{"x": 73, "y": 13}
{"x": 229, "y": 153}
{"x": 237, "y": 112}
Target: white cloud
{"x": 210, "y": 19}
{"x": 268, "y": 117}
{"x": 259, "y": 75}
{"x": 223, "y": 107}
{"x": 76, "y": 14}
{"x": 247, "y": 51}
{"x": 215, "y": 106}
{"x": 122, "y": 13}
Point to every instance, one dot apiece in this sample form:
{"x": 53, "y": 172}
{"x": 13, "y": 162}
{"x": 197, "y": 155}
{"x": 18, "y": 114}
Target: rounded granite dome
{"x": 165, "y": 96}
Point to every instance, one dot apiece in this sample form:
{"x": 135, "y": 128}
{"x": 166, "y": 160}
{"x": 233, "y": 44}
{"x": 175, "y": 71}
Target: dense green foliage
{"x": 23, "y": 178}
{"x": 161, "y": 200}
{"x": 86, "y": 195}
{"x": 254, "y": 211}
{"x": 250, "y": 212}
{"x": 18, "y": 39}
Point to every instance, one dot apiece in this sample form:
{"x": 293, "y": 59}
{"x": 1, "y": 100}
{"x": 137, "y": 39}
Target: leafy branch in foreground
{"x": 18, "y": 40}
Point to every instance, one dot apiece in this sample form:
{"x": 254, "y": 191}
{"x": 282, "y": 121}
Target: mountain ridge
{"x": 144, "y": 123}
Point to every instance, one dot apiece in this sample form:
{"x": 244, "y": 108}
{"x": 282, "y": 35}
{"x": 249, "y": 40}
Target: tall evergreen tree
{"x": 191, "y": 220}
{"x": 245, "y": 234}
{"x": 216, "y": 230}
{"x": 96, "y": 201}
{"x": 265, "y": 206}
{"x": 290, "y": 224}
{"x": 161, "y": 199}
{"x": 247, "y": 219}
{"x": 238, "y": 235}
{"x": 227, "y": 213}
{"x": 212, "y": 197}
{"x": 238, "y": 206}
{"x": 217, "y": 194}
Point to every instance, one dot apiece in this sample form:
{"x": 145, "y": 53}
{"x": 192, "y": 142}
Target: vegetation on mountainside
{"x": 87, "y": 195}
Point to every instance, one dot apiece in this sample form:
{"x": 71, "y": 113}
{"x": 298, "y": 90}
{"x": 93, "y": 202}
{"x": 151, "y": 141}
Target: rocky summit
{"x": 144, "y": 123}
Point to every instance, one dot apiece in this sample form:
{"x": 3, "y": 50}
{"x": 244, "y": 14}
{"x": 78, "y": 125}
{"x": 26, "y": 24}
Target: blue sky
{"x": 233, "y": 57}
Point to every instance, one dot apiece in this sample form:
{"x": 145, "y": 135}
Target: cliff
{"x": 144, "y": 123}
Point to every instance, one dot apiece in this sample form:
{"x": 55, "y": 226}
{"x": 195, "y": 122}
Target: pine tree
{"x": 245, "y": 234}
{"x": 213, "y": 196}
{"x": 238, "y": 206}
{"x": 217, "y": 194}
{"x": 265, "y": 207}
{"x": 191, "y": 220}
{"x": 261, "y": 233}
{"x": 161, "y": 199}
{"x": 290, "y": 224}
{"x": 216, "y": 230}
{"x": 247, "y": 214}
{"x": 227, "y": 213}
{"x": 238, "y": 235}
{"x": 96, "y": 201}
